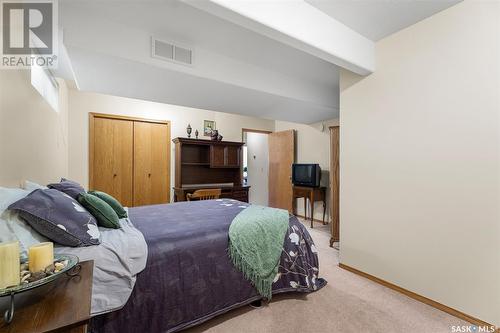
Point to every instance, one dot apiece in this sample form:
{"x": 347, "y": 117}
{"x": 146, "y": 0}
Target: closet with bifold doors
{"x": 129, "y": 158}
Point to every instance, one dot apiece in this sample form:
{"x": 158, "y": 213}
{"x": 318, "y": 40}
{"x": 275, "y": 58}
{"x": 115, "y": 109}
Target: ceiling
{"x": 376, "y": 19}
{"x": 238, "y": 68}
{"x": 183, "y": 23}
{"x": 235, "y": 69}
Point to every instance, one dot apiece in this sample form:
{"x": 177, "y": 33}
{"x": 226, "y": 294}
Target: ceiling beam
{"x": 300, "y": 25}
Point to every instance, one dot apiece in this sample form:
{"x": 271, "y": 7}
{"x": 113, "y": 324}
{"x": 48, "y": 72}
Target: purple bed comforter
{"x": 189, "y": 277}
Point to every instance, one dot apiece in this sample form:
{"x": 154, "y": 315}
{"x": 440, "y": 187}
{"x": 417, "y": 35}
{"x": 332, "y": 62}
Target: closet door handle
{"x": 149, "y": 175}
{"x": 114, "y": 176}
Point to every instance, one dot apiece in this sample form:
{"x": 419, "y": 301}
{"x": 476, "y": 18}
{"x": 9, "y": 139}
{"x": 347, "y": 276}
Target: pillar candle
{"x": 9, "y": 264}
{"x": 40, "y": 256}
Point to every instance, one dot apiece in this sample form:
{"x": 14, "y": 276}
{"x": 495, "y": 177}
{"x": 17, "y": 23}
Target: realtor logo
{"x": 29, "y": 33}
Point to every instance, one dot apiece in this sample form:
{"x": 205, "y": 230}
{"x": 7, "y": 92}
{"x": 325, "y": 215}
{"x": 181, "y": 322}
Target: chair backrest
{"x": 204, "y": 194}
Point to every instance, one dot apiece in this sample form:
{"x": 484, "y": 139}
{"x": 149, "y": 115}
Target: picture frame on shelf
{"x": 208, "y": 126}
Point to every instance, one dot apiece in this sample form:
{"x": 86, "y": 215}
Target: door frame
{"x": 94, "y": 115}
{"x": 250, "y": 130}
{"x": 335, "y": 183}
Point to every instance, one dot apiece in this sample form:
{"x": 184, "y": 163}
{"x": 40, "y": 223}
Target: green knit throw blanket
{"x": 256, "y": 238}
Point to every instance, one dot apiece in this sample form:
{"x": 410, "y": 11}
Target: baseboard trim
{"x": 420, "y": 298}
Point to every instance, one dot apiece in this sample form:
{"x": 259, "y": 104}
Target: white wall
{"x": 33, "y": 136}
{"x": 420, "y": 161}
{"x": 312, "y": 145}
{"x": 258, "y": 167}
{"x": 81, "y": 103}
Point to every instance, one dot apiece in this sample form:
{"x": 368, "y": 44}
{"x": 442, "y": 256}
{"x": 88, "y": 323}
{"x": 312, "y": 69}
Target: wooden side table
{"x": 60, "y": 306}
{"x": 313, "y": 194}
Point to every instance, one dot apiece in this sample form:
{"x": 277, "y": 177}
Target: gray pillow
{"x": 58, "y": 217}
{"x": 69, "y": 187}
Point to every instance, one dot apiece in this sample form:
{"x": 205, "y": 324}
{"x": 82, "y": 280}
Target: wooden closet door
{"x": 151, "y": 163}
{"x": 111, "y": 160}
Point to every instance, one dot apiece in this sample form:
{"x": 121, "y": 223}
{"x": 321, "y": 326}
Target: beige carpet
{"x": 348, "y": 303}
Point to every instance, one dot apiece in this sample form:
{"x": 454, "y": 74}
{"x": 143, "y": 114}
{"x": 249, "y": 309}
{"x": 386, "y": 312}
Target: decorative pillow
{"x": 12, "y": 227}
{"x": 104, "y": 213}
{"x": 58, "y": 217}
{"x": 115, "y": 204}
{"x": 69, "y": 187}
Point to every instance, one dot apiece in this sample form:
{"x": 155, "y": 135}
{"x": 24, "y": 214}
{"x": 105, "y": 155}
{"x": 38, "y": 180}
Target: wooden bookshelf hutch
{"x": 209, "y": 164}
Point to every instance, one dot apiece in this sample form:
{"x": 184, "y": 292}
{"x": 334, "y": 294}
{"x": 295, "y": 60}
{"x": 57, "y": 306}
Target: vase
{"x": 214, "y": 135}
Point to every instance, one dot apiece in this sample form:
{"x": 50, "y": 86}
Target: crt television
{"x": 306, "y": 175}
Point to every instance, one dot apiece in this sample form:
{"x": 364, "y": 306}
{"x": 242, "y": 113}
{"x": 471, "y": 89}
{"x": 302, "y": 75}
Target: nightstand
{"x": 60, "y": 306}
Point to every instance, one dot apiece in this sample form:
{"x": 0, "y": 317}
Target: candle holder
{"x": 72, "y": 269}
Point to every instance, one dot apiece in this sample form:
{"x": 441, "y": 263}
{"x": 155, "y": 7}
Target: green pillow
{"x": 115, "y": 204}
{"x": 104, "y": 213}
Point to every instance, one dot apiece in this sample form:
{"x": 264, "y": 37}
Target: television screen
{"x": 303, "y": 174}
{"x": 306, "y": 174}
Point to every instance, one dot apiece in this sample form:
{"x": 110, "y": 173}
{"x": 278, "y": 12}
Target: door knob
{"x": 114, "y": 176}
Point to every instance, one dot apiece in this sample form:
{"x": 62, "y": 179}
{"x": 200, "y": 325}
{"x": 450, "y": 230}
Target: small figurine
{"x": 189, "y": 129}
{"x": 196, "y": 134}
{"x": 214, "y": 135}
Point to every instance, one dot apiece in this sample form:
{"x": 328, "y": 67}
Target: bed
{"x": 188, "y": 277}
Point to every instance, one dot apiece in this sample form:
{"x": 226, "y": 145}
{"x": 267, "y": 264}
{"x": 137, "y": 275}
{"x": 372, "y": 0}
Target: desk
{"x": 239, "y": 193}
{"x": 313, "y": 194}
{"x": 60, "y": 306}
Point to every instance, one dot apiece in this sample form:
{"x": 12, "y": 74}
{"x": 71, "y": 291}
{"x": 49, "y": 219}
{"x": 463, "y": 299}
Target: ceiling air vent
{"x": 171, "y": 51}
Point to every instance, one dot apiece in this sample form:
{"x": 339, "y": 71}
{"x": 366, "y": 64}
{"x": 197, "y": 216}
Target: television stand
{"x": 313, "y": 194}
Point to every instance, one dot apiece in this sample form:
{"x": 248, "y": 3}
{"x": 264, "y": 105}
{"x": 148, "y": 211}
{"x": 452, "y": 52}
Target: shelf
{"x": 195, "y": 163}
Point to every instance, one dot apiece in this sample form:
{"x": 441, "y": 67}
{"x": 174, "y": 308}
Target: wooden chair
{"x": 204, "y": 194}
